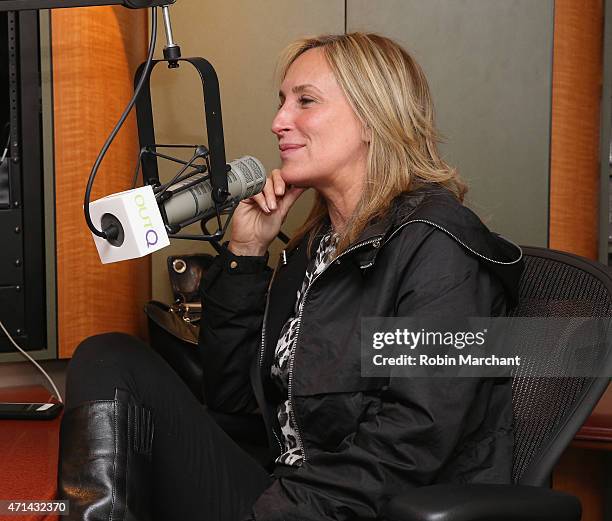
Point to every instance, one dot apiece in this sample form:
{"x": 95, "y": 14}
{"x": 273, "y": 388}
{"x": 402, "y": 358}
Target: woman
{"x": 387, "y": 236}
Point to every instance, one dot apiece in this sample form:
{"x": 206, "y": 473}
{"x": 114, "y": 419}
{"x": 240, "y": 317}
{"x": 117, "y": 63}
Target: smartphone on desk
{"x": 29, "y": 411}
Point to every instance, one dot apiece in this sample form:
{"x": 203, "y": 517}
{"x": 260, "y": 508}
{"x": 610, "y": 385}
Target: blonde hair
{"x": 389, "y": 93}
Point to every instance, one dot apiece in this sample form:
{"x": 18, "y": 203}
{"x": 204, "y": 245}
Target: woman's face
{"x": 320, "y": 139}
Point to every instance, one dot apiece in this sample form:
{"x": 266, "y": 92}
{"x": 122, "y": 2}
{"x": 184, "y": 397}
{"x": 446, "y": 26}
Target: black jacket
{"x": 366, "y": 439}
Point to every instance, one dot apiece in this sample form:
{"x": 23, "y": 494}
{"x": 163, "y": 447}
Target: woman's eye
{"x": 301, "y": 101}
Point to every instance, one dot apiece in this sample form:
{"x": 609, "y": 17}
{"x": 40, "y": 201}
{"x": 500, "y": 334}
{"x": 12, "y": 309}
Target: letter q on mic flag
{"x": 142, "y": 227}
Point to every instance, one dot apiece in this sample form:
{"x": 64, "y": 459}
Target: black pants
{"x": 198, "y": 471}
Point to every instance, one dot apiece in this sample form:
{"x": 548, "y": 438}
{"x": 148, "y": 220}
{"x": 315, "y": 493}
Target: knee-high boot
{"x": 105, "y": 460}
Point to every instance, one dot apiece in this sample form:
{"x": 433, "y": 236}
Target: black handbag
{"x": 174, "y": 329}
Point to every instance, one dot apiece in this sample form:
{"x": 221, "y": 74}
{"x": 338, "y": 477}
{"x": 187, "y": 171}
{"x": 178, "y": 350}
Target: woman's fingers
{"x": 273, "y": 190}
{"x": 269, "y": 195}
{"x": 275, "y": 195}
{"x": 260, "y": 199}
{"x": 278, "y": 182}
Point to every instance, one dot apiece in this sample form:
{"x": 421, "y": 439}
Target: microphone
{"x": 141, "y": 221}
{"x": 246, "y": 178}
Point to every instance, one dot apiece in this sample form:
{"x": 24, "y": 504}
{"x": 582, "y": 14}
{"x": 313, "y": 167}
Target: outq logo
{"x": 150, "y": 235}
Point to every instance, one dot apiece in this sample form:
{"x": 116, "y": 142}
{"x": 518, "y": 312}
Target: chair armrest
{"x": 482, "y": 503}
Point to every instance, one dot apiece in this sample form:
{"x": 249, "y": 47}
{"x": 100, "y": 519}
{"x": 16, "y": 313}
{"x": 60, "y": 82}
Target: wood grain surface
{"x": 574, "y": 202}
{"x": 95, "y": 53}
{"x": 576, "y": 94}
{"x": 583, "y": 473}
{"x": 28, "y": 467}
{"x": 574, "y": 197}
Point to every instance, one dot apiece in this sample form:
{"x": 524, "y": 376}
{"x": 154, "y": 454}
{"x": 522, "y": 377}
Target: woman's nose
{"x": 282, "y": 121}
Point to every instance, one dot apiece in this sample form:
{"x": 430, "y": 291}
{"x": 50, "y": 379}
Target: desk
{"x": 584, "y": 467}
{"x": 29, "y": 453}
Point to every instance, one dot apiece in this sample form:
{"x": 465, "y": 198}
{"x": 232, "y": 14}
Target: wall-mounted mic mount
{"x": 172, "y": 52}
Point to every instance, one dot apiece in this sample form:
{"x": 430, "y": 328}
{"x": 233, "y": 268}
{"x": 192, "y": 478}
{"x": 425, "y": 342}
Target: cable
{"x": 111, "y": 137}
{"x": 57, "y": 393}
{"x": 137, "y": 170}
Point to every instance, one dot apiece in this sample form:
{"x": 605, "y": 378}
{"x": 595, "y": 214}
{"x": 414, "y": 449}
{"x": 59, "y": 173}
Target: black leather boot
{"x": 105, "y": 460}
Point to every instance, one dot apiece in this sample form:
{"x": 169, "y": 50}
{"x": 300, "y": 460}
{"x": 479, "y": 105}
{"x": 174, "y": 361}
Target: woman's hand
{"x": 257, "y": 220}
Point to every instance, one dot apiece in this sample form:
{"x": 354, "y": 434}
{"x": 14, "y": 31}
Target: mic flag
{"x": 136, "y": 215}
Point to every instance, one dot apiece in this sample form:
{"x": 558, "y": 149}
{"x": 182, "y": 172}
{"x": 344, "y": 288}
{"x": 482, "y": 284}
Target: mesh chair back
{"x": 548, "y": 411}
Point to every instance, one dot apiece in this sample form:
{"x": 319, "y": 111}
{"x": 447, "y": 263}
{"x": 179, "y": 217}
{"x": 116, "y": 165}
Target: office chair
{"x": 548, "y": 411}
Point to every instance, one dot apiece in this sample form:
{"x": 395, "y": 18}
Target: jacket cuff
{"x": 233, "y": 278}
{"x": 243, "y": 264}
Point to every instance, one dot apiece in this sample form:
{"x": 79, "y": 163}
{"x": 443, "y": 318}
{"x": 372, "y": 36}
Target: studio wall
{"x": 489, "y": 65}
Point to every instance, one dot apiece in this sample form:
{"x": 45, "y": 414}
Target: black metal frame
{"x": 214, "y": 124}
{"x": 24, "y": 220}
{"x": 215, "y": 153}
{"x": 32, "y": 179}
{"x": 22, "y": 5}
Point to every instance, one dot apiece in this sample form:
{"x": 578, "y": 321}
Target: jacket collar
{"x": 377, "y": 233}
{"x": 437, "y": 207}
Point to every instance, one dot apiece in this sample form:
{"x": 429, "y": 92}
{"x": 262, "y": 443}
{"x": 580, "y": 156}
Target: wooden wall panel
{"x": 95, "y": 53}
{"x": 577, "y": 77}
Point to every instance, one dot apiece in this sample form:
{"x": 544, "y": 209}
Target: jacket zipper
{"x": 297, "y": 336}
{"x": 435, "y": 225}
{"x": 262, "y": 348}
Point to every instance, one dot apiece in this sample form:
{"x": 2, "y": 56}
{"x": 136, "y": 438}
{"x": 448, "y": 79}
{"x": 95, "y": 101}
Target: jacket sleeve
{"x": 233, "y": 294}
{"x": 419, "y": 422}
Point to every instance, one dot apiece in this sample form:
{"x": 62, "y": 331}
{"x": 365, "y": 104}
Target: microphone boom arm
{"x": 22, "y": 5}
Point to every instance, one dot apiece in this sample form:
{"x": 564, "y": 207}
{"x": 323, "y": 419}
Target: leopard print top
{"x": 293, "y": 454}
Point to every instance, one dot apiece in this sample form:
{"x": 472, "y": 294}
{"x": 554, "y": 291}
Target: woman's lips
{"x": 287, "y": 149}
